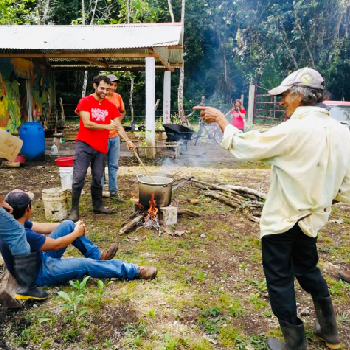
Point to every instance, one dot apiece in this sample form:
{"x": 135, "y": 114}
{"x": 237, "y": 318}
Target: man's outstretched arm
{"x": 63, "y": 242}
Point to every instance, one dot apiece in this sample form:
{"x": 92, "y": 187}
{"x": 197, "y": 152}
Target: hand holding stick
{"x": 143, "y": 165}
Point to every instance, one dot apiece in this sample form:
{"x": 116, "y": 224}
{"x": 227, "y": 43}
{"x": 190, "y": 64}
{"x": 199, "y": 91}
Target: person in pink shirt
{"x": 238, "y": 115}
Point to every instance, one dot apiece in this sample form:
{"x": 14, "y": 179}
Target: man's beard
{"x": 98, "y": 93}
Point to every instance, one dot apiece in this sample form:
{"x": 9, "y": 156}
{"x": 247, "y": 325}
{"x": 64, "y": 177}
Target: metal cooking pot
{"x": 161, "y": 188}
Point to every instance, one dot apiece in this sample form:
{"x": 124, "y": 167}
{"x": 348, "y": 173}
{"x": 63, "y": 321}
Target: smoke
{"x": 206, "y": 154}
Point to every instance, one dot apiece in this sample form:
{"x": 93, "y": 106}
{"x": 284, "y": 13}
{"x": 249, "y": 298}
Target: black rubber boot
{"x": 74, "y": 213}
{"x": 25, "y": 273}
{"x": 98, "y": 208}
{"x": 326, "y": 325}
{"x": 294, "y": 337}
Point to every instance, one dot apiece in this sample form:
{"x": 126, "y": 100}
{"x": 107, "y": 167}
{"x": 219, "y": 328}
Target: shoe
{"x": 345, "y": 276}
{"x": 326, "y": 325}
{"x": 98, "y": 208}
{"x": 103, "y": 210}
{"x": 115, "y": 196}
{"x": 25, "y": 272}
{"x": 74, "y": 213}
{"x": 147, "y": 272}
{"x": 294, "y": 337}
{"x": 110, "y": 253}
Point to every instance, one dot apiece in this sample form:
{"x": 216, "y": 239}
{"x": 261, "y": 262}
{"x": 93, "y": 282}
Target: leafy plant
{"x": 80, "y": 286}
{"x": 101, "y": 290}
{"x": 168, "y": 343}
{"x": 74, "y": 302}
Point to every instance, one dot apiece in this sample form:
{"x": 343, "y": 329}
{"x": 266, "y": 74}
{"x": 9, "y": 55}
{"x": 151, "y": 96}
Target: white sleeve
{"x": 255, "y": 145}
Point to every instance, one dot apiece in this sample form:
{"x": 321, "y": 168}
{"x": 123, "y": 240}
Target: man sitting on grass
{"x": 53, "y": 270}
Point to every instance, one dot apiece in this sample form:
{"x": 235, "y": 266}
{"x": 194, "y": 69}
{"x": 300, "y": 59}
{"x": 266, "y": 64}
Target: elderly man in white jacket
{"x": 310, "y": 158}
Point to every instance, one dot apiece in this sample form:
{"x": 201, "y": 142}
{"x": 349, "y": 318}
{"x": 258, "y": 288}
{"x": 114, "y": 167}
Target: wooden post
{"x": 166, "y": 97}
{"x": 52, "y": 91}
{"x": 251, "y": 101}
{"x": 29, "y": 101}
{"x": 150, "y": 102}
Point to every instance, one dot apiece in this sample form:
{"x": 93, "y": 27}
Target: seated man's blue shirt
{"x": 35, "y": 240}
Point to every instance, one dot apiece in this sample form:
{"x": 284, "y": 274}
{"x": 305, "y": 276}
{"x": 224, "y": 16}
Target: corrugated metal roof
{"x": 95, "y": 37}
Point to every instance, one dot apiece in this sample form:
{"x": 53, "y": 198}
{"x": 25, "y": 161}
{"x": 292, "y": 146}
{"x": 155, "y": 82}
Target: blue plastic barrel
{"x": 33, "y": 136}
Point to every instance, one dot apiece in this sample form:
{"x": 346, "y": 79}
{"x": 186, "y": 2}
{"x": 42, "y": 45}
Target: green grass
{"x": 210, "y": 292}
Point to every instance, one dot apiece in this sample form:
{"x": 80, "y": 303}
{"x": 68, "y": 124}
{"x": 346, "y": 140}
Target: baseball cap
{"x": 112, "y": 77}
{"x": 17, "y": 199}
{"x": 302, "y": 77}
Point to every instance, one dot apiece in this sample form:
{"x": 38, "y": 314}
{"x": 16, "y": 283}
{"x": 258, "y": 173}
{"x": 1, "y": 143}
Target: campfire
{"x": 151, "y": 215}
{"x": 246, "y": 200}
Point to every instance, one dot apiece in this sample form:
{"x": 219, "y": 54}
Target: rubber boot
{"x": 25, "y": 273}
{"x": 345, "y": 275}
{"x": 98, "y": 208}
{"x": 294, "y": 337}
{"x": 326, "y": 325}
{"x": 74, "y": 213}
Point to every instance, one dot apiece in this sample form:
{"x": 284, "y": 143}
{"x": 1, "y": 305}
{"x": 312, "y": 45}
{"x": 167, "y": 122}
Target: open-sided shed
{"x": 124, "y": 47}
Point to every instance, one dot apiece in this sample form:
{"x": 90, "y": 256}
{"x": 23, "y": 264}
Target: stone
{"x": 169, "y": 215}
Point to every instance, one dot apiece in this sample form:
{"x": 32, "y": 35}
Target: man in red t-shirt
{"x": 97, "y": 119}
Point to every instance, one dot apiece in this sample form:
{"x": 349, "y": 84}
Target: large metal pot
{"x": 161, "y": 188}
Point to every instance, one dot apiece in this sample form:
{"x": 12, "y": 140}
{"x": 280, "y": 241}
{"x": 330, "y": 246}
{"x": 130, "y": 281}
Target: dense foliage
{"x": 227, "y": 42}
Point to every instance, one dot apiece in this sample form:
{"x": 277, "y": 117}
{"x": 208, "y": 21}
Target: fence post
{"x": 251, "y": 101}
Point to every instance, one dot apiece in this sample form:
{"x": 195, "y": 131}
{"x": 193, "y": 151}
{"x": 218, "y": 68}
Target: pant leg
{"x": 98, "y": 162}
{"x": 57, "y": 271}
{"x": 305, "y": 259}
{"x": 113, "y": 161}
{"x": 279, "y": 273}
{"x": 103, "y": 174}
{"x": 85, "y": 246}
{"x": 13, "y": 234}
{"x": 82, "y": 159}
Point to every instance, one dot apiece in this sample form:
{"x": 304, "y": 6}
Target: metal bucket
{"x": 161, "y": 188}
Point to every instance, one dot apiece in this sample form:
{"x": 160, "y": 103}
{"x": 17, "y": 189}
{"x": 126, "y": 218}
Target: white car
{"x": 339, "y": 110}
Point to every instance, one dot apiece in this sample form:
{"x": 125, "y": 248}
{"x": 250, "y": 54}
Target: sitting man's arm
{"x": 63, "y": 242}
{"x": 44, "y": 228}
{"x": 5, "y": 205}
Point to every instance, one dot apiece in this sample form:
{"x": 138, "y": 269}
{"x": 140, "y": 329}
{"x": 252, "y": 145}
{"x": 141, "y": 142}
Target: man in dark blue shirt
{"x": 24, "y": 265}
{"x": 52, "y": 269}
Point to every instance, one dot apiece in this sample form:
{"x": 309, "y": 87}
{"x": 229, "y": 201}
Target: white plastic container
{"x": 66, "y": 175}
{"x": 55, "y": 202}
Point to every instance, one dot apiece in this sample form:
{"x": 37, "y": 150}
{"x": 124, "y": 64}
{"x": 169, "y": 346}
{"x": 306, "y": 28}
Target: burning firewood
{"x": 131, "y": 224}
{"x": 149, "y": 218}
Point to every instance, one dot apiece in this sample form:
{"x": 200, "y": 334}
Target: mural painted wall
{"x": 20, "y": 79}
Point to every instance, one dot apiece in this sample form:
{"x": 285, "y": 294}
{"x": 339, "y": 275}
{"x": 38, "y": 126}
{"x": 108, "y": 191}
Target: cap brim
{"x": 279, "y": 90}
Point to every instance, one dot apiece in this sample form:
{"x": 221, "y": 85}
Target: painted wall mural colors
{"x": 15, "y": 76}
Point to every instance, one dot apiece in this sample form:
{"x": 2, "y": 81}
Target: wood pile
{"x": 246, "y": 199}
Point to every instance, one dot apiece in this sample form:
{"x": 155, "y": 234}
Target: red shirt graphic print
{"x": 101, "y": 112}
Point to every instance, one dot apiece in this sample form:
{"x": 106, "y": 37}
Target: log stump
{"x": 8, "y": 287}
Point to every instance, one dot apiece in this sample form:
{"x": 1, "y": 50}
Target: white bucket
{"x": 55, "y": 202}
{"x": 66, "y": 175}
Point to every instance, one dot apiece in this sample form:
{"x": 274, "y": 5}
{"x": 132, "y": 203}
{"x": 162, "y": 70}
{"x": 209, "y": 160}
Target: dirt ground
{"x": 210, "y": 292}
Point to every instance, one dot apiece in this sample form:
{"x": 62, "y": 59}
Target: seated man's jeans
{"x": 112, "y": 162}
{"x": 13, "y": 233}
{"x": 54, "y": 270}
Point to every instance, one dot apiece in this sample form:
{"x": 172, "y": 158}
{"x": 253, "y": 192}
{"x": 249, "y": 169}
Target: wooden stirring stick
{"x": 143, "y": 165}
